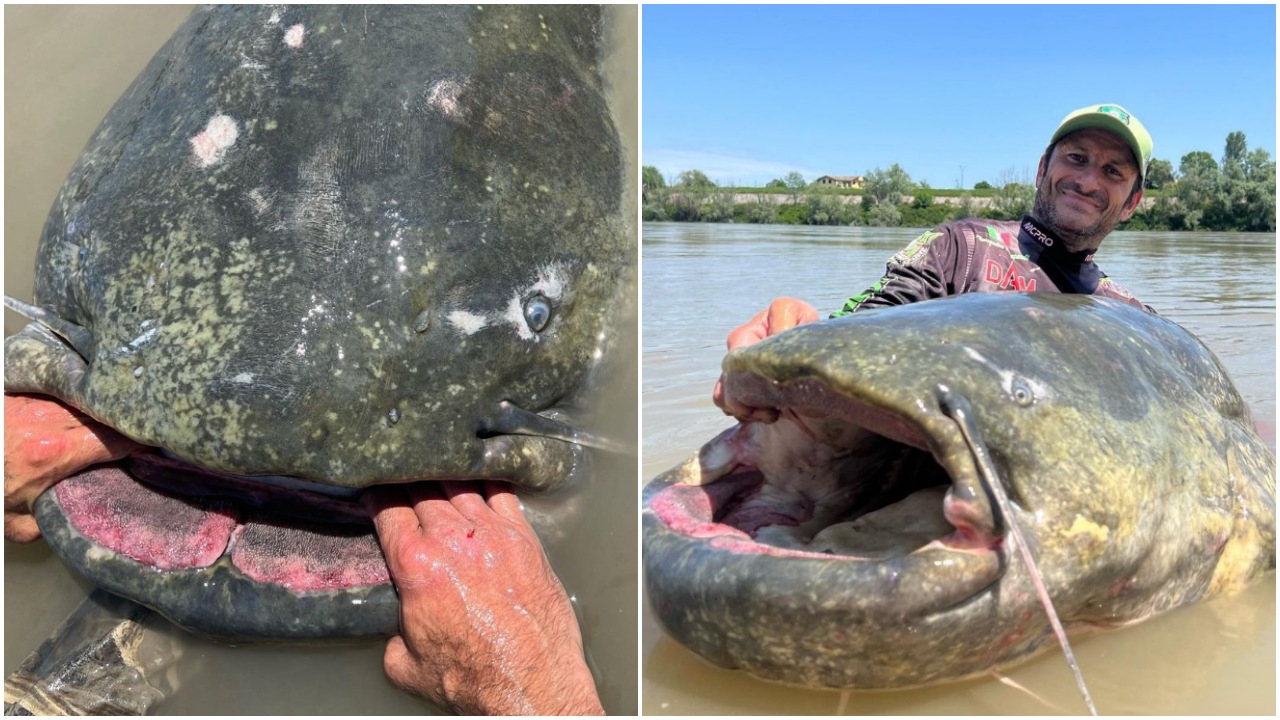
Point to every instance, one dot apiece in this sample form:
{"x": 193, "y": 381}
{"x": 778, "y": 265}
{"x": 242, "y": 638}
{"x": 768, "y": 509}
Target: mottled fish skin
{"x": 308, "y": 241}
{"x": 1134, "y": 466}
{"x": 336, "y": 244}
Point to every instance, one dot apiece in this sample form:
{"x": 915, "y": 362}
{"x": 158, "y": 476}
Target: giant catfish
{"x": 851, "y": 543}
{"x": 314, "y": 249}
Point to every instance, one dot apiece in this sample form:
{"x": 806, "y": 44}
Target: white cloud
{"x": 722, "y": 169}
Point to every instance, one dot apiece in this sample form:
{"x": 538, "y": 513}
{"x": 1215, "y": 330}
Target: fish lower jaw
{"x": 742, "y": 513}
{"x": 215, "y": 569}
{"x": 167, "y": 531}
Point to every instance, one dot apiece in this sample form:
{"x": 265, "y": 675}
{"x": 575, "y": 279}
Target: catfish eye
{"x": 537, "y": 312}
{"x": 1022, "y": 393}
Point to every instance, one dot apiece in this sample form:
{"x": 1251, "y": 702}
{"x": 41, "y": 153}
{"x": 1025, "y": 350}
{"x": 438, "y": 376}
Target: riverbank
{"x": 924, "y": 208}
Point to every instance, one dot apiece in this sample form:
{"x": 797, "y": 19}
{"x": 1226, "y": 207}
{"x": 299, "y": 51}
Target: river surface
{"x": 65, "y": 66}
{"x": 702, "y": 280}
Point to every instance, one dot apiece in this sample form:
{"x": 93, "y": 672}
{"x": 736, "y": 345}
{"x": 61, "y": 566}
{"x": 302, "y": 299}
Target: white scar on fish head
{"x": 468, "y": 323}
{"x": 550, "y": 284}
{"x": 293, "y": 36}
{"x": 443, "y": 97}
{"x": 211, "y": 144}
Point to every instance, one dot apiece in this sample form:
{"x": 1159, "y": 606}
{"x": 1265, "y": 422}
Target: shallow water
{"x": 701, "y": 281}
{"x": 65, "y": 67}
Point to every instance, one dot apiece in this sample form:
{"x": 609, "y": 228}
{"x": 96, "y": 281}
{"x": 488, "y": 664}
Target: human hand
{"x": 45, "y": 442}
{"x": 485, "y": 625}
{"x": 782, "y": 314}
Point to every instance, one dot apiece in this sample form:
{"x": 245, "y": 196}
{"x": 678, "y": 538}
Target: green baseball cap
{"x": 1114, "y": 119}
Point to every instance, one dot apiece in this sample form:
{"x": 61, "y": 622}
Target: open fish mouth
{"x": 847, "y": 544}
{"x": 170, "y": 515}
{"x": 241, "y": 557}
{"x": 834, "y": 478}
{"x": 228, "y": 557}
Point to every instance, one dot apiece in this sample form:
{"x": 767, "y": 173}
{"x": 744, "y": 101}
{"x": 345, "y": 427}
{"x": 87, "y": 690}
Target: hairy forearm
{"x": 550, "y": 689}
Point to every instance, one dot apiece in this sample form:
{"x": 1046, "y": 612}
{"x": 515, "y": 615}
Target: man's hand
{"x": 44, "y": 442}
{"x": 782, "y": 314}
{"x": 485, "y": 626}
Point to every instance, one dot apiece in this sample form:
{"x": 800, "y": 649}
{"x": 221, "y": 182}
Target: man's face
{"x": 1083, "y": 191}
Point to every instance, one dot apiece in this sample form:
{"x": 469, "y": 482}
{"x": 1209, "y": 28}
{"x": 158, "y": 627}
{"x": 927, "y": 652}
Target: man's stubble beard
{"x": 1074, "y": 240}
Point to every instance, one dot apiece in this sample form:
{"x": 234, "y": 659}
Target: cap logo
{"x": 1121, "y": 115}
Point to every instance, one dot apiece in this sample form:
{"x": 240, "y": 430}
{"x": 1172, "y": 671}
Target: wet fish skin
{"x": 291, "y": 260}
{"x": 331, "y": 244}
{"x": 1134, "y": 467}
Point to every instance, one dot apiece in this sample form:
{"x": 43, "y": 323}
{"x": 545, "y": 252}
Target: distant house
{"x": 842, "y": 181}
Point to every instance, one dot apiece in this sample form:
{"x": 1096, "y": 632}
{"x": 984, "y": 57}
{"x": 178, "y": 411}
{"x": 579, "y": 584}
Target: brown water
{"x": 700, "y": 281}
{"x": 64, "y": 68}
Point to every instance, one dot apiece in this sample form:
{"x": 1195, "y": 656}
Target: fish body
{"x": 852, "y": 544}
{"x": 314, "y": 249}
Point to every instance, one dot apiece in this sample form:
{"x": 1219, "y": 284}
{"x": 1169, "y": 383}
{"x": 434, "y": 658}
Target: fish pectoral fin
{"x": 77, "y": 337}
{"x": 37, "y": 360}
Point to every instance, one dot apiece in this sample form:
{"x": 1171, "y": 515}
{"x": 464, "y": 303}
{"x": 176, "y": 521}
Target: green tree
{"x": 1236, "y": 148}
{"x": 885, "y": 215}
{"x": 1159, "y": 174}
{"x": 1233, "y": 159}
{"x": 1244, "y": 197}
{"x": 888, "y": 186}
{"x": 759, "y": 210}
{"x": 966, "y": 208}
{"x": 651, "y": 179}
{"x": 922, "y": 199}
{"x": 717, "y": 208}
{"x": 826, "y": 207}
{"x": 695, "y": 180}
{"x": 776, "y": 183}
{"x": 982, "y": 185}
{"x": 795, "y": 181}
{"x": 793, "y": 214}
{"x": 1198, "y": 163}
{"x": 1196, "y": 189}
{"x": 1259, "y": 166}
{"x": 655, "y": 207}
{"x": 1016, "y": 196}
{"x": 1165, "y": 213}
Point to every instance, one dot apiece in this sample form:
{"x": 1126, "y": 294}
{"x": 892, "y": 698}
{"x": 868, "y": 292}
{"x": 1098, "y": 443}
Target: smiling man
{"x": 1090, "y": 178}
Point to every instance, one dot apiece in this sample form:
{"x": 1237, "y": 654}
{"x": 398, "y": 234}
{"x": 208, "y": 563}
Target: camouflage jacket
{"x": 986, "y": 256}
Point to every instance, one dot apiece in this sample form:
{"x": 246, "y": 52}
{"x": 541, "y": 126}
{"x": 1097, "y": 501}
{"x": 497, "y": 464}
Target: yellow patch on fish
{"x": 1085, "y": 526}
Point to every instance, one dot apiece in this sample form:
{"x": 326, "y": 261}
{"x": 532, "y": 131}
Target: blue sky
{"x": 748, "y": 93}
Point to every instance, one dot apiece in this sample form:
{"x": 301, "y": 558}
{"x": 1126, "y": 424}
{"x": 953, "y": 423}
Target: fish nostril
{"x": 423, "y": 322}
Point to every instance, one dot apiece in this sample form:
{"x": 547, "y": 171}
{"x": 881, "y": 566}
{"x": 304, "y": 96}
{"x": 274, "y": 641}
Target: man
{"x": 1089, "y": 179}
{"x": 485, "y": 625}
